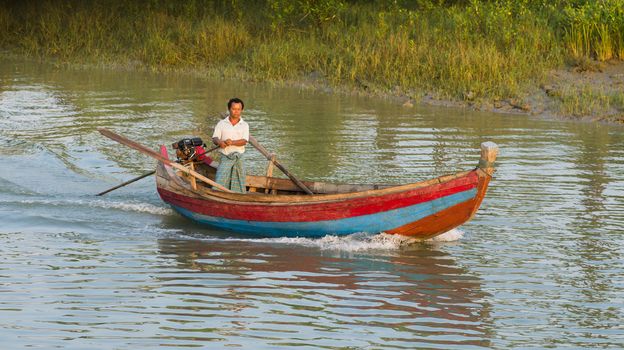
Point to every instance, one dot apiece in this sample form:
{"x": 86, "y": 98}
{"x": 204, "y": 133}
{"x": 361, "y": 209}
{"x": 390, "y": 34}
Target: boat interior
{"x": 268, "y": 184}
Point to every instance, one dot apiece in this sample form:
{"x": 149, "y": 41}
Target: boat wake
{"x": 140, "y": 207}
{"x": 13, "y": 188}
{"x": 358, "y": 242}
{"x": 450, "y": 236}
{"x": 131, "y": 206}
{"x": 352, "y": 243}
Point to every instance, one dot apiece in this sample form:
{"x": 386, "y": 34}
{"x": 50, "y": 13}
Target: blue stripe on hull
{"x": 372, "y": 223}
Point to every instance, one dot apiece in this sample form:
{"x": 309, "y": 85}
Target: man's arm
{"x": 244, "y": 140}
{"x": 217, "y": 141}
{"x": 216, "y": 136}
{"x": 241, "y": 142}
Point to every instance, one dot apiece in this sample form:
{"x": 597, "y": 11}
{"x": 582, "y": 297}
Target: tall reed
{"x": 595, "y": 29}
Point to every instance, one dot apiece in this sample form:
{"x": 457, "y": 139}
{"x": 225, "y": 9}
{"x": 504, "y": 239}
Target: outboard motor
{"x": 186, "y": 149}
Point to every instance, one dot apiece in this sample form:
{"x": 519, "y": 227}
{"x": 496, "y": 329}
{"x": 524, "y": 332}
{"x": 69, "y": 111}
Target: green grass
{"x": 451, "y": 49}
{"x": 587, "y": 100}
{"x": 595, "y": 29}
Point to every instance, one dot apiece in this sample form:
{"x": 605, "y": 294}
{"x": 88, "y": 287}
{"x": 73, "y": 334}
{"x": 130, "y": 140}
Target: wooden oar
{"x": 147, "y": 151}
{"x": 268, "y": 156}
{"x": 144, "y": 175}
{"x": 126, "y": 183}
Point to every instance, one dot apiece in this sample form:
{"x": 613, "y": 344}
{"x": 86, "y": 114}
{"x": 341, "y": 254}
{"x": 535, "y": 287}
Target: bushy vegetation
{"x": 594, "y": 29}
{"x": 468, "y": 49}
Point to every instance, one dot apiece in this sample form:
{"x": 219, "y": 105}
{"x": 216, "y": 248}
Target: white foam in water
{"x": 450, "y": 236}
{"x": 352, "y": 243}
{"x": 137, "y": 206}
{"x": 358, "y": 242}
{"x": 140, "y": 207}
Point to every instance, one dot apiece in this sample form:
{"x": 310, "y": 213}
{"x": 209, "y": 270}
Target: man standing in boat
{"x": 231, "y": 135}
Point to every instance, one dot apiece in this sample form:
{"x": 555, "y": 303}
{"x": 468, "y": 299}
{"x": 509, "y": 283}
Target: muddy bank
{"x": 591, "y": 92}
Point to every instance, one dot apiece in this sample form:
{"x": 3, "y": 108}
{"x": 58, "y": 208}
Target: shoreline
{"x": 544, "y": 101}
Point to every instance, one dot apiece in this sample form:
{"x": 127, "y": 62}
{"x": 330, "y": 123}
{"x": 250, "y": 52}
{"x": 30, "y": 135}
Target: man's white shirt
{"x": 225, "y": 130}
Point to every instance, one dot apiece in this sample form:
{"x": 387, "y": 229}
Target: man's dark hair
{"x": 235, "y": 100}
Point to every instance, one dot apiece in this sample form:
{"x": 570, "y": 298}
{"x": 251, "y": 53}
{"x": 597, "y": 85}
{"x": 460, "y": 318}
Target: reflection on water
{"x": 326, "y": 298}
{"x": 539, "y": 266}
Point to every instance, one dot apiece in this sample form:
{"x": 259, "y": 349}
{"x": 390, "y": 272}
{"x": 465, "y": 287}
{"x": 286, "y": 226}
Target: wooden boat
{"x": 279, "y": 207}
{"x": 290, "y": 207}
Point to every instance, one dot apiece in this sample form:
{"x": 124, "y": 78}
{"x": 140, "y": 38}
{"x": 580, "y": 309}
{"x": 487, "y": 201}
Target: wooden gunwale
{"x": 424, "y": 199}
{"x": 268, "y": 199}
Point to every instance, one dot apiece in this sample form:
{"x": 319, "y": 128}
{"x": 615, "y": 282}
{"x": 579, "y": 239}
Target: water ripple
{"x": 539, "y": 266}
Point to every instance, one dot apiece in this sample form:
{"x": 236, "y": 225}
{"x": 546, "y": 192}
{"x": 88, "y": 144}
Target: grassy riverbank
{"x": 473, "y": 52}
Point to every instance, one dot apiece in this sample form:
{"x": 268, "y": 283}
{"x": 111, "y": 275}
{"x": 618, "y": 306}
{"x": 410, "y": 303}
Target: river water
{"x": 540, "y": 266}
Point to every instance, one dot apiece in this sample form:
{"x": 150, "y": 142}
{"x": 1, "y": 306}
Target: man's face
{"x": 235, "y": 110}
